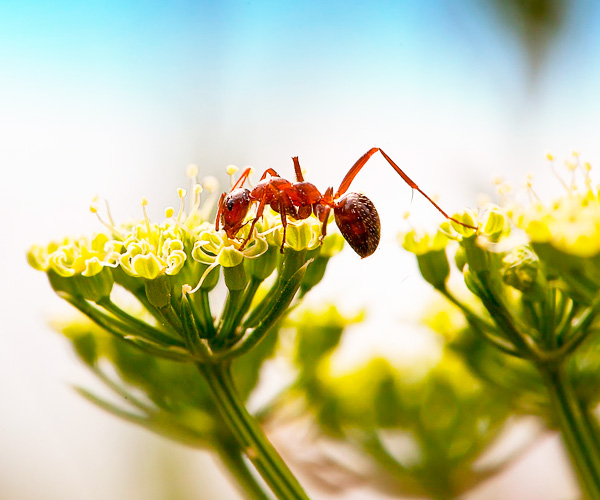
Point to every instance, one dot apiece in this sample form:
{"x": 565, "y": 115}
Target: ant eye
{"x": 230, "y": 204}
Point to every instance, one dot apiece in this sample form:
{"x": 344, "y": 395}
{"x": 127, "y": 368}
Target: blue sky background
{"x": 116, "y": 98}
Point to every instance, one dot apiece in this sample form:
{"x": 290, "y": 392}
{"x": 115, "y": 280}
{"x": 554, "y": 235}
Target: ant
{"x": 354, "y": 213}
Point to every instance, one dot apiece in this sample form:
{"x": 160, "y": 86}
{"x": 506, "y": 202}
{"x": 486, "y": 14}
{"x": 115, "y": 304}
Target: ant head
{"x": 234, "y": 209}
{"x": 358, "y": 220}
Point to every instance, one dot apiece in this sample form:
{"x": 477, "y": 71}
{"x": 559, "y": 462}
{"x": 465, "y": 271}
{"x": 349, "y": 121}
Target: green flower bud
{"x": 477, "y": 257}
{"x": 263, "y": 266}
{"x": 467, "y": 217}
{"x": 62, "y": 284}
{"x": 315, "y": 270}
{"x": 495, "y": 224}
{"x": 230, "y": 257}
{"x": 235, "y": 277}
{"x": 419, "y": 242}
{"x": 434, "y": 267}
{"x": 298, "y": 236}
{"x": 521, "y": 269}
{"x": 460, "y": 258}
{"x": 94, "y": 287}
{"x": 158, "y": 291}
{"x": 212, "y": 278}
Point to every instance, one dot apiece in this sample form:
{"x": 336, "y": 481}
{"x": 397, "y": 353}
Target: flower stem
{"x": 249, "y": 435}
{"x": 231, "y": 456}
{"x": 577, "y": 434}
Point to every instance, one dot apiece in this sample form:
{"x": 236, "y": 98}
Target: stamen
{"x": 572, "y": 167}
{"x": 550, "y": 158}
{"x": 530, "y": 190}
{"x": 204, "y": 275}
{"x": 231, "y": 171}
{"x": 503, "y": 189}
{"x": 197, "y": 198}
{"x": 181, "y": 193}
{"x": 146, "y": 219}
{"x": 109, "y": 225}
{"x": 169, "y": 212}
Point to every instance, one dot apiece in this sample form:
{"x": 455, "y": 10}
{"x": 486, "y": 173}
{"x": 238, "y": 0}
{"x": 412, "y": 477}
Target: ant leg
{"x": 325, "y": 219}
{"x": 242, "y": 179}
{"x": 220, "y": 210}
{"x": 356, "y": 168}
{"x": 298, "y": 170}
{"x": 283, "y": 222}
{"x": 270, "y": 172}
{"x": 259, "y": 212}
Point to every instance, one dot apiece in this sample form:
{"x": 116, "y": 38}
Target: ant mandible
{"x": 354, "y": 213}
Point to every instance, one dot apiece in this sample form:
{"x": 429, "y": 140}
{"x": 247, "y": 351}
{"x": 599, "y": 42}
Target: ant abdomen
{"x": 358, "y": 221}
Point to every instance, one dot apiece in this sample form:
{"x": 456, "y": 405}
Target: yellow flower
{"x": 570, "y": 224}
{"x": 152, "y": 250}
{"x": 215, "y": 249}
{"x": 82, "y": 256}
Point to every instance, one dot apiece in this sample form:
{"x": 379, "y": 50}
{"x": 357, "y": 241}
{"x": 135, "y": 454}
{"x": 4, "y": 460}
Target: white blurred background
{"x": 117, "y": 98}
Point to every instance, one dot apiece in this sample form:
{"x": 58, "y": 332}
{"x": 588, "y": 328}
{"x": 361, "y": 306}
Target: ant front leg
{"x": 259, "y": 212}
{"x": 219, "y": 210}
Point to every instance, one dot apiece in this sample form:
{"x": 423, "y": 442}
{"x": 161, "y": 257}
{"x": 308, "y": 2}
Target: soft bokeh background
{"x": 116, "y": 98}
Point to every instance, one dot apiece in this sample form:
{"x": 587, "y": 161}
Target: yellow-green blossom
{"x": 215, "y": 249}
{"x": 300, "y": 235}
{"x": 421, "y": 242}
{"x": 151, "y": 250}
{"x": 570, "y": 224}
{"x": 71, "y": 257}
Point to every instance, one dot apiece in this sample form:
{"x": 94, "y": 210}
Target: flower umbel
{"x": 170, "y": 268}
{"x": 533, "y": 273}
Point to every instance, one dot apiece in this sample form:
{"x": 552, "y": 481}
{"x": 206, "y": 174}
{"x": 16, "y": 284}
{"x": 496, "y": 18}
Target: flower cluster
{"x": 170, "y": 267}
{"x": 532, "y": 274}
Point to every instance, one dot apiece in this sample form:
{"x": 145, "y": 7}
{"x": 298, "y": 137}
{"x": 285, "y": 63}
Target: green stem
{"x": 140, "y": 326}
{"x": 231, "y": 456}
{"x": 503, "y": 318}
{"x": 480, "y": 326}
{"x": 230, "y": 310}
{"x": 201, "y": 303}
{"x": 249, "y": 435}
{"x": 577, "y": 434}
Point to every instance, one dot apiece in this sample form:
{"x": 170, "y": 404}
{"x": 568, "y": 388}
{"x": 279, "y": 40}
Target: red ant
{"x": 354, "y": 213}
